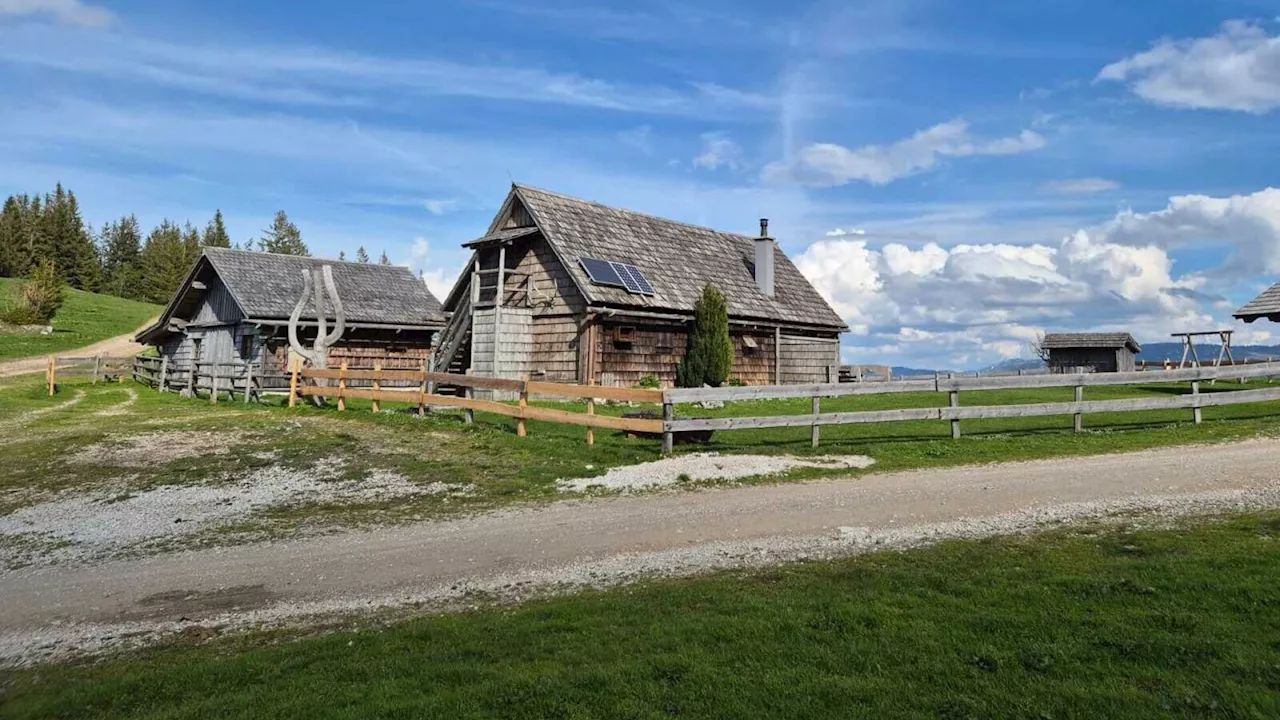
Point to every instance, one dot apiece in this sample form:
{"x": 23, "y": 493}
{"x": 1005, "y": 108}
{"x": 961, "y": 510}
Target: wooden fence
{"x": 343, "y": 383}
{"x": 234, "y": 378}
{"x": 954, "y": 412}
{"x": 100, "y": 367}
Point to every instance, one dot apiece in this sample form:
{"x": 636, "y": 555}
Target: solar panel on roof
{"x": 633, "y": 279}
{"x": 601, "y": 271}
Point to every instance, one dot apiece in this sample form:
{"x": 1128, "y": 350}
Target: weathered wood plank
{"x": 777, "y": 392}
{"x": 595, "y": 391}
{"x": 846, "y": 418}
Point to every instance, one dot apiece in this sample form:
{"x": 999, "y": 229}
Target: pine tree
{"x": 121, "y": 247}
{"x": 361, "y": 255}
{"x": 708, "y": 358}
{"x": 13, "y": 259}
{"x": 384, "y": 260}
{"x": 342, "y": 256}
{"x": 283, "y": 237}
{"x": 40, "y": 297}
{"x": 215, "y": 233}
{"x": 164, "y": 262}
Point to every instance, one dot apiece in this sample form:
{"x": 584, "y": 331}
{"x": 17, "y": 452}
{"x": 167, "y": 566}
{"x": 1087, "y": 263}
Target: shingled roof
{"x": 677, "y": 258}
{"x": 1266, "y": 305}
{"x": 1066, "y": 341}
{"x": 265, "y": 286}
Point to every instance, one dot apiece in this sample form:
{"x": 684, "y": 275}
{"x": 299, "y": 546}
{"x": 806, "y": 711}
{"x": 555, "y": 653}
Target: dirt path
{"x": 610, "y": 540}
{"x": 118, "y": 346}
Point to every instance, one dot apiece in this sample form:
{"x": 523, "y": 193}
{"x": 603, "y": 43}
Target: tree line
{"x": 48, "y": 234}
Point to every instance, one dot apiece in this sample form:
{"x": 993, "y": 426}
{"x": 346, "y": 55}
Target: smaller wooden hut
{"x": 1090, "y": 352}
{"x": 234, "y": 306}
{"x": 1264, "y": 307}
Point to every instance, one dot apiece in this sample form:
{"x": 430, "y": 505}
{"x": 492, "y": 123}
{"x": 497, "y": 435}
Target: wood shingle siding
{"x": 808, "y": 360}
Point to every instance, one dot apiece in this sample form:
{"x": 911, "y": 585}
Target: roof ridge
{"x": 524, "y": 186}
{"x": 242, "y": 251}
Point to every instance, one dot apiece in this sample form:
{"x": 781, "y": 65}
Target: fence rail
{"x": 954, "y": 413}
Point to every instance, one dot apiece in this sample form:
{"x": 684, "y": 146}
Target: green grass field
{"x": 84, "y": 319}
{"x": 1104, "y": 622}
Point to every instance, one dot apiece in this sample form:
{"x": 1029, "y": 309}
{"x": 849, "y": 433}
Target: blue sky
{"x": 955, "y": 177}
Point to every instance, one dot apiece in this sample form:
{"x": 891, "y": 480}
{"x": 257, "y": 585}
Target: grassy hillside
{"x": 1109, "y": 623}
{"x": 84, "y": 319}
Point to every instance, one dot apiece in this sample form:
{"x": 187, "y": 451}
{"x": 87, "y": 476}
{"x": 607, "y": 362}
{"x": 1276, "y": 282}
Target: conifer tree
{"x": 384, "y": 260}
{"x": 13, "y": 257}
{"x": 215, "y": 233}
{"x": 283, "y": 237}
{"x": 342, "y": 256}
{"x": 39, "y": 297}
{"x": 708, "y": 357}
{"x": 121, "y": 247}
{"x": 164, "y": 262}
{"x": 361, "y": 255}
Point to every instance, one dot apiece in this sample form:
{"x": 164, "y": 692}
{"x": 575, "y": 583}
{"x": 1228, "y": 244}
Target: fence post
{"x": 213, "y": 383}
{"x": 521, "y": 430}
{"x": 422, "y": 392}
{"x": 1195, "y": 411}
{"x": 1079, "y": 417}
{"x": 52, "y": 374}
{"x": 293, "y": 381}
{"x": 955, "y": 422}
{"x": 377, "y": 386}
{"x": 191, "y": 377}
{"x": 668, "y": 415}
{"x": 248, "y": 379}
{"x": 591, "y": 410}
{"x": 164, "y": 373}
{"x": 97, "y": 360}
{"x": 469, "y": 415}
{"x": 813, "y": 430}
{"x": 342, "y": 385}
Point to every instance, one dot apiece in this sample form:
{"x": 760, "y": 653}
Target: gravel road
{"x": 53, "y": 611}
{"x": 118, "y": 346}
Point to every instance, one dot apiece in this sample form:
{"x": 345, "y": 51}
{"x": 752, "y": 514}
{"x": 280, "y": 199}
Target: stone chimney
{"x": 764, "y": 259}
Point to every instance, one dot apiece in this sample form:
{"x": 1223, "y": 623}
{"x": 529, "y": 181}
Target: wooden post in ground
{"x": 97, "y": 360}
{"x": 1078, "y": 422}
{"x": 422, "y": 392}
{"x": 955, "y": 423}
{"x": 813, "y": 430}
{"x": 591, "y": 410}
{"x": 248, "y": 379}
{"x": 521, "y": 430}
{"x": 1195, "y": 411}
{"x": 293, "y": 381}
{"x": 469, "y": 415}
{"x": 342, "y": 386}
{"x": 164, "y": 374}
{"x": 668, "y": 415}
{"x": 51, "y": 374}
{"x": 213, "y": 383}
{"x": 191, "y": 377}
{"x": 377, "y": 386}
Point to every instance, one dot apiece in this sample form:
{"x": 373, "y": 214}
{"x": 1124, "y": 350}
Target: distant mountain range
{"x": 1154, "y": 352}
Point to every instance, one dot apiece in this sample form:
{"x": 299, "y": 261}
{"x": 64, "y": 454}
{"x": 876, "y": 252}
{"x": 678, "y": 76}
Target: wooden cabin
{"x": 1090, "y": 352}
{"x": 567, "y": 290}
{"x": 1264, "y": 307}
{"x": 234, "y": 306}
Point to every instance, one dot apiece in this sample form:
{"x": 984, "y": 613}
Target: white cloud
{"x": 828, "y": 165}
{"x": 718, "y": 151}
{"x": 69, "y": 12}
{"x": 1080, "y": 186}
{"x": 1237, "y": 69}
{"x": 975, "y": 303}
{"x": 440, "y": 206}
{"x": 439, "y": 280}
{"x": 299, "y": 75}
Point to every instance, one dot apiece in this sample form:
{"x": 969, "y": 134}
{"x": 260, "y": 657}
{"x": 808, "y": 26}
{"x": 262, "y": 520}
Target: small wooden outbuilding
{"x": 1264, "y": 307}
{"x": 234, "y": 306}
{"x": 568, "y": 290}
{"x": 1090, "y": 352}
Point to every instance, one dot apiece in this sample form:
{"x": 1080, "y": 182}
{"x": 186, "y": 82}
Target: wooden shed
{"x": 234, "y": 306}
{"x": 1090, "y": 352}
{"x": 1264, "y": 307}
{"x": 583, "y": 292}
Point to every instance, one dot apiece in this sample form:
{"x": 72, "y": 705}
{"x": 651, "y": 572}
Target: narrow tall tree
{"x": 215, "y": 233}
{"x": 13, "y": 256}
{"x": 164, "y": 262}
{"x": 121, "y": 247}
{"x": 361, "y": 255}
{"x": 384, "y": 260}
{"x": 283, "y": 237}
{"x": 708, "y": 357}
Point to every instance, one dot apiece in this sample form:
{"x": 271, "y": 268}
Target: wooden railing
{"x": 233, "y": 377}
{"x": 99, "y": 366}
{"x": 336, "y": 384}
{"x": 954, "y": 413}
